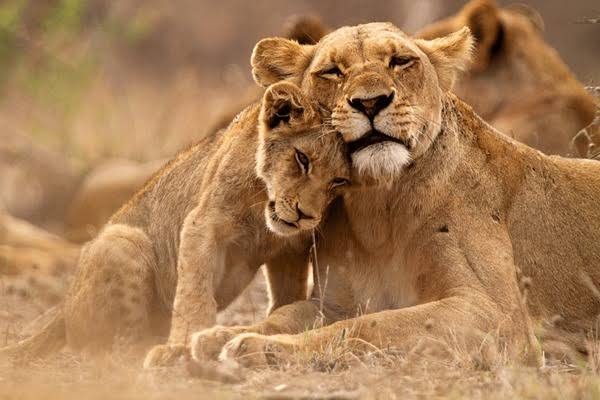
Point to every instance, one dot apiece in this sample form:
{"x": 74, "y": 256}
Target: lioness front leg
{"x": 471, "y": 318}
{"x": 456, "y": 306}
{"x": 287, "y": 277}
{"x": 194, "y": 307}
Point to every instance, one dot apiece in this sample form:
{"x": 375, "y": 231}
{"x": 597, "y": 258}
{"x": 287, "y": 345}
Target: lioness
{"x": 195, "y": 235}
{"x": 455, "y": 215}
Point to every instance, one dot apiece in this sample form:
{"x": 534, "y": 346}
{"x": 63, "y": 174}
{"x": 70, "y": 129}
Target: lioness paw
{"x": 254, "y": 350}
{"x": 166, "y": 355}
{"x": 207, "y": 344}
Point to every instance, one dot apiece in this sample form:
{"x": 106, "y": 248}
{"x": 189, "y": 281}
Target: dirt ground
{"x": 332, "y": 375}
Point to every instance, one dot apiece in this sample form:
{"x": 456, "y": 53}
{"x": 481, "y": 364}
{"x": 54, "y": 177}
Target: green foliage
{"x": 10, "y": 15}
{"x": 67, "y": 17}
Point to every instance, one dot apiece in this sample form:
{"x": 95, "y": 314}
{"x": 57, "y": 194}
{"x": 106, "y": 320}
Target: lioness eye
{"x": 303, "y": 161}
{"x": 402, "y": 62}
{"x": 333, "y": 72}
{"x": 337, "y": 182}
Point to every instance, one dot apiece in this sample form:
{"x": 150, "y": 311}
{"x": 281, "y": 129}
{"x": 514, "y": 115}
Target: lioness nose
{"x": 372, "y": 106}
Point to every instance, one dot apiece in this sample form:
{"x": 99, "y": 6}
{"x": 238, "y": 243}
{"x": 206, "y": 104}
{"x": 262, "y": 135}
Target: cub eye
{"x": 337, "y": 182}
{"x": 331, "y": 73}
{"x": 303, "y": 161}
{"x": 400, "y": 61}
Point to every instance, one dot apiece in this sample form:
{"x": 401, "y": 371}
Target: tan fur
{"x": 435, "y": 250}
{"x": 195, "y": 236}
{"x": 36, "y": 184}
{"x": 517, "y": 82}
{"x": 28, "y": 250}
{"x": 103, "y": 191}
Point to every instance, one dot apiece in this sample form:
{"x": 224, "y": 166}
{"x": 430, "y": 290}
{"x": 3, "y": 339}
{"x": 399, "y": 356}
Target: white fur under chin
{"x": 381, "y": 160}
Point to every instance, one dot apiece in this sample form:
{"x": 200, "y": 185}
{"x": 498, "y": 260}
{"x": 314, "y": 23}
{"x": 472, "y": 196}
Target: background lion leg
{"x": 112, "y": 292}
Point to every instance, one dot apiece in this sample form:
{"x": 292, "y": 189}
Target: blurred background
{"x": 139, "y": 79}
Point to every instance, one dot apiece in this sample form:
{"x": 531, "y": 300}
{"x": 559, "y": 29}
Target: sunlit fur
{"x": 413, "y": 117}
{"x": 478, "y": 235}
{"x": 381, "y": 160}
{"x": 288, "y": 186}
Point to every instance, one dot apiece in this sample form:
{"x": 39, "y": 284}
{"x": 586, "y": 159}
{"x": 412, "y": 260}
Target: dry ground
{"x": 335, "y": 374}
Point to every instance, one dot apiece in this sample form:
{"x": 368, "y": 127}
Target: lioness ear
{"x": 277, "y": 59}
{"x": 305, "y": 29}
{"x": 449, "y": 55}
{"x": 283, "y": 102}
{"x": 483, "y": 19}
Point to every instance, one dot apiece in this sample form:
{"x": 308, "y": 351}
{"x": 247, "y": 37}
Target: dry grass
{"x": 373, "y": 376}
{"x": 337, "y": 371}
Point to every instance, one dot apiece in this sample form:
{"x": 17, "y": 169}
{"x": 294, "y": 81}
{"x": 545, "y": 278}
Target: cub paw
{"x": 207, "y": 344}
{"x": 254, "y": 350}
{"x": 166, "y": 355}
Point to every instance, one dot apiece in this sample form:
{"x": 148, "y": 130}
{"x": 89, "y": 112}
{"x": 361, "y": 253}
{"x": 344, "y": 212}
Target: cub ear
{"x": 305, "y": 29}
{"x": 448, "y": 55}
{"x": 283, "y": 102}
{"x": 277, "y": 59}
{"x": 483, "y": 19}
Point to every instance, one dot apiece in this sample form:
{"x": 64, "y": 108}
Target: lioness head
{"x": 302, "y": 161}
{"x": 383, "y": 88}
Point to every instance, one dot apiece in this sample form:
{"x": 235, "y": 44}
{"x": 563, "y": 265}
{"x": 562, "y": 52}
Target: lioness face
{"x": 302, "y": 161}
{"x": 383, "y": 88}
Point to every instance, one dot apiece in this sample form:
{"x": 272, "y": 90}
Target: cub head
{"x": 384, "y": 89}
{"x": 301, "y": 159}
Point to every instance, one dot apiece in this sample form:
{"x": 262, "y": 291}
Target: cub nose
{"x": 371, "y": 106}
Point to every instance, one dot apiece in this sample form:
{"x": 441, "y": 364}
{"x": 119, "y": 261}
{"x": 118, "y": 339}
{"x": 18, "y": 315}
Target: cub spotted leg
{"x": 111, "y": 295}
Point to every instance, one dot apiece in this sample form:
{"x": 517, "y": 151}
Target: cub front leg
{"x": 194, "y": 307}
{"x": 287, "y": 277}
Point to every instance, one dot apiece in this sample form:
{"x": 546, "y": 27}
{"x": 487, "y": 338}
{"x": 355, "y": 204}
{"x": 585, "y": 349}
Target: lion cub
{"x": 189, "y": 242}
{"x": 303, "y": 164}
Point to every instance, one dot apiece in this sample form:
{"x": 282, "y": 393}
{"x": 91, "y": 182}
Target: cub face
{"x": 301, "y": 159}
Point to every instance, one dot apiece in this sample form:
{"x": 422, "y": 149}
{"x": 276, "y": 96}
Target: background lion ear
{"x": 277, "y": 59}
{"x": 283, "y": 102}
{"x": 448, "y": 55}
{"x": 483, "y": 19}
{"x": 305, "y": 29}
